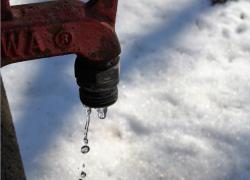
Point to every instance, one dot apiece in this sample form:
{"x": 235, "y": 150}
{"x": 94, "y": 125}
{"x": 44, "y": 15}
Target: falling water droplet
{"x": 83, "y": 165}
{"x": 83, "y": 174}
{"x": 86, "y": 141}
{"x": 85, "y": 149}
{"x": 102, "y": 112}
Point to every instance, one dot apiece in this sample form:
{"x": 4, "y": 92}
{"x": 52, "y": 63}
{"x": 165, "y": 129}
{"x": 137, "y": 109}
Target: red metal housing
{"x": 59, "y": 27}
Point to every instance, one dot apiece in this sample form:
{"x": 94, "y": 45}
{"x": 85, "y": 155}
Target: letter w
{"x": 10, "y": 44}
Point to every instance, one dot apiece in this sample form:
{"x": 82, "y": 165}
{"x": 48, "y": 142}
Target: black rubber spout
{"x": 97, "y": 81}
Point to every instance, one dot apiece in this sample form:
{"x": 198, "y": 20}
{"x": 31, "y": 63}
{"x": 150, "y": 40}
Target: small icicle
{"x": 102, "y": 112}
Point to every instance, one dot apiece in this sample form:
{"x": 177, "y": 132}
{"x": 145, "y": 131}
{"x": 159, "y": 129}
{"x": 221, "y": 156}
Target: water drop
{"x": 85, "y": 140}
{"x": 83, "y": 165}
{"x": 85, "y": 149}
{"x": 102, "y": 112}
{"x": 83, "y": 174}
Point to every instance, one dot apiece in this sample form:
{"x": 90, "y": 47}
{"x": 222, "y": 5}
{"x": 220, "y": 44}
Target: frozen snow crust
{"x": 183, "y": 111}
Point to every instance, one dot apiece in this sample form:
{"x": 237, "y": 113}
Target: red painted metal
{"x": 5, "y": 10}
{"x": 55, "y": 28}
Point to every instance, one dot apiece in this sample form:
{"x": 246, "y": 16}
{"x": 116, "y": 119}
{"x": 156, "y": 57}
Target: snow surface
{"x": 184, "y": 100}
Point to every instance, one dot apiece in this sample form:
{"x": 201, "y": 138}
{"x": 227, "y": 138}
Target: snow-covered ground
{"x": 184, "y": 100}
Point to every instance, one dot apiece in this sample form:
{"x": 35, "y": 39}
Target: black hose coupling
{"x": 97, "y": 81}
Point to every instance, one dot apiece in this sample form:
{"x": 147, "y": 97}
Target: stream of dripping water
{"x": 102, "y": 112}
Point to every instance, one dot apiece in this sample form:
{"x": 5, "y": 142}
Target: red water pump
{"x": 61, "y": 27}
